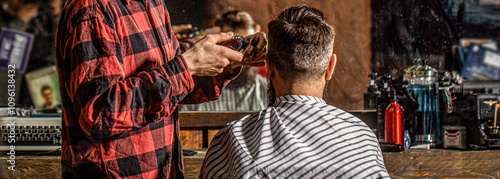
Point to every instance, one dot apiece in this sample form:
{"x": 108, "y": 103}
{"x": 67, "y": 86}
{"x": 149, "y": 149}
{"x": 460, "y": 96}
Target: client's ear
{"x": 331, "y": 67}
{"x": 257, "y": 27}
{"x": 270, "y": 67}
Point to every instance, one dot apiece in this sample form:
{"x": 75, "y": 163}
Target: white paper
{"x": 492, "y": 59}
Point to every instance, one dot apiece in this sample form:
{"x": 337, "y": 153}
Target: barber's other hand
{"x": 55, "y": 7}
{"x": 28, "y": 12}
{"x": 206, "y": 58}
{"x": 178, "y": 29}
{"x": 256, "y": 52}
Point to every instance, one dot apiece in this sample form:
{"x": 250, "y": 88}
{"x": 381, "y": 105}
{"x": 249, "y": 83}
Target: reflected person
{"x": 48, "y": 98}
{"x": 248, "y": 91}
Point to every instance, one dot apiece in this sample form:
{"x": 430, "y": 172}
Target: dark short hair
{"x": 45, "y": 87}
{"x": 236, "y": 19}
{"x": 300, "y": 43}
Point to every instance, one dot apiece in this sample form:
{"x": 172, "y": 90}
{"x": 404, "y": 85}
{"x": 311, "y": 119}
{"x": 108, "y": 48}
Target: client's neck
{"x": 300, "y": 87}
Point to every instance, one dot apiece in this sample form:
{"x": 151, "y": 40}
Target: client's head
{"x": 300, "y": 53}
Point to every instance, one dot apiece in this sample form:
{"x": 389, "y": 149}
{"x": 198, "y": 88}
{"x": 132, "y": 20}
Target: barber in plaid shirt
{"x": 122, "y": 75}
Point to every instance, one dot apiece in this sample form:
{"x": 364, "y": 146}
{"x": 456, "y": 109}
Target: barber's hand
{"x": 206, "y": 58}
{"x": 211, "y": 30}
{"x": 177, "y": 29}
{"x": 55, "y": 7}
{"x": 256, "y": 52}
{"x": 28, "y": 12}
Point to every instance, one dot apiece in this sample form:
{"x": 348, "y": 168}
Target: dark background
{"x": 432, "y": 27}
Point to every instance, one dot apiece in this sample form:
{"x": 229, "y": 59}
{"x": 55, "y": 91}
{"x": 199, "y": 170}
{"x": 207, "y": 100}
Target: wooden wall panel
{"x": 191, "y": 138}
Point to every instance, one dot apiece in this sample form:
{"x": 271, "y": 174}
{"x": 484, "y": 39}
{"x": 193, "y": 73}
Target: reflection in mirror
{"x": 352, "y": 45}
{"x": 248, "y": 91}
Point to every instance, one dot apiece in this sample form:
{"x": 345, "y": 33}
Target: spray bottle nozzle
{"x": 394, "y": 95}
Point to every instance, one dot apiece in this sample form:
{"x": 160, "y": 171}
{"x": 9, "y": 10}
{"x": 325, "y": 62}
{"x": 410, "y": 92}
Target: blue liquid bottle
{"x": 425, "y": 122}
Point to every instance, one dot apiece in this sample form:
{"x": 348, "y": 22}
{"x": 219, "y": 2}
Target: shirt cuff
{"x": 187, "y": 74}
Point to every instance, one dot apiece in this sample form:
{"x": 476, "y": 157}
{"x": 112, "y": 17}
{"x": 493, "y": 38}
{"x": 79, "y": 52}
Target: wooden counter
{"x": 439, "y": 163}
{"x": 434, "y": 163}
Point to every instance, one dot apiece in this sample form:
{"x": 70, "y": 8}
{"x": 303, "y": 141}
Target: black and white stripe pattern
{"x": 252, "y": 98}
{"x": 299, "y": 137}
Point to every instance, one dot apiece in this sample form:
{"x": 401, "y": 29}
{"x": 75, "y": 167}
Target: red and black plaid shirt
{"x": 122, "y": 75}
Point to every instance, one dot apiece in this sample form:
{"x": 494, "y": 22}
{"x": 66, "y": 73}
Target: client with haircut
{"x": 298, "y": 135}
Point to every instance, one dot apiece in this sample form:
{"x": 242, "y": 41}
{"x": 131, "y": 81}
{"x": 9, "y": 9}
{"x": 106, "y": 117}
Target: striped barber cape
{"x": 299, "y": 137}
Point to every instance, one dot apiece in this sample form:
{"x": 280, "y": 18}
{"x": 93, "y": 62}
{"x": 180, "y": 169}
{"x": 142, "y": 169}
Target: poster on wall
{"x": 15, "y": 48}
{"x": 44, "y": 89}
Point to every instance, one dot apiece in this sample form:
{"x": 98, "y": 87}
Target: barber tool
{"x": 238, "y": 43}
{"x": 190, "y": 33}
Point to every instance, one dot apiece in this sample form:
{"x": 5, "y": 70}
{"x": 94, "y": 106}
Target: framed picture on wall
{"x": 43, "y": 86}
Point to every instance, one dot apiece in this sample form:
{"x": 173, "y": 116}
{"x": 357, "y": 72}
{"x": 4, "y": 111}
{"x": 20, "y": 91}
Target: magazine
{"x": 15, "y": 48}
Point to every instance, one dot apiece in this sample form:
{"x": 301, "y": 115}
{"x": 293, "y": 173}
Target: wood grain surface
{"x": 197, "y": 125}
{"x": 434, "y": 163}
{"x": 32, "y": 167}
{"x": 443, "y": 164}
{"x": 209, "y": 119}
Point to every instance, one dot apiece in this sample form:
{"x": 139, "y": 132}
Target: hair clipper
{"x": 238, "y": 43}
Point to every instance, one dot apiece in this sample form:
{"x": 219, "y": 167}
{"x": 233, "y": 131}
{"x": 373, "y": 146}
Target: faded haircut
{"x": 300, "y": 43}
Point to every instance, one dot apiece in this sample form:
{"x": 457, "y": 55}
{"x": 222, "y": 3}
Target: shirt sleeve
{"x": 209, "y": 88}
{"x": 105, "y": 100}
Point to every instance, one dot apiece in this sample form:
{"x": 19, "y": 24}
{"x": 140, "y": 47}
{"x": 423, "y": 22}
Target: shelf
{"x": 469, "y": 85}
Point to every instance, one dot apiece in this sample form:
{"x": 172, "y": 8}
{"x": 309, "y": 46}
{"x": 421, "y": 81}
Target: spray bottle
{"x": 394, "y": 122}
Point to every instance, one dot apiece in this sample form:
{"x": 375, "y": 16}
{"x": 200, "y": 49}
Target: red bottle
{"x": 394, "y": 122}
